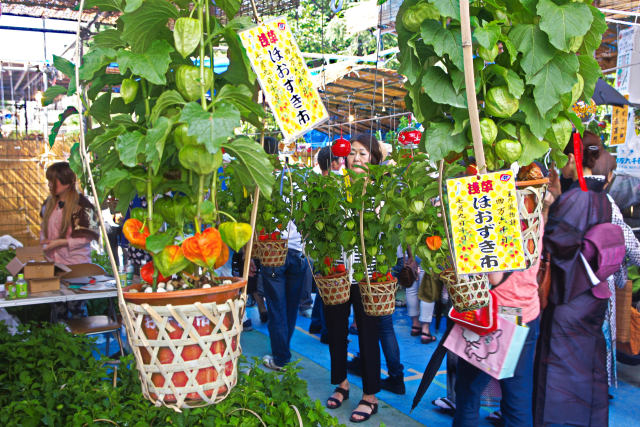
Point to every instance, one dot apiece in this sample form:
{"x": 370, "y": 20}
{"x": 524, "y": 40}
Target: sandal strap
{"x": 343, "y": 392}
{"x": 367, "y": 403}
{"x": 334, "y": 400}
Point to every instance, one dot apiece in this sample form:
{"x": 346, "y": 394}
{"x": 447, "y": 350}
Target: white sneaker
{"x": 268, "y": 361}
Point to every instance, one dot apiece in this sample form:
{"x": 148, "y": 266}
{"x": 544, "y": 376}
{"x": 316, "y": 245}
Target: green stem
{"x": 227, "y": 214}
{"x": 147, "y": 110}
{"x": 203, "y": 93}
{"x": 214, "y": 185}
{"x": 199, "y": 202}
{"x": 149, "y": 200}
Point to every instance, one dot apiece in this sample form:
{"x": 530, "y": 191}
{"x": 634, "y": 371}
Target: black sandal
{"x": 338, "y": 403}
{"x": 365, "y": 415}
{"x": 427, "y": 338}
{"x": 415, "y": 331}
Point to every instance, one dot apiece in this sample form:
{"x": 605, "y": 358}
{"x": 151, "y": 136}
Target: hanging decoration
{"x": 341, "y": 147}
{"x": 410, "y": 136}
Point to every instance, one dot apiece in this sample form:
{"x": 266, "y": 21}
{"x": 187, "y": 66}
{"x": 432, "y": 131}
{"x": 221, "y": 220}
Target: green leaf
{"x": 132, "y": 5}
{"x": 553, "y": 80}
{"x": 251, "y": 164}
{"x": 111, "y": 178}
{"x": 211, "y": 129}
{"x": 151, "y": 65}
{"x": 410, "y": 66}
{"x": 590, "y": 72}
{"x": 108, "y": 39}
{"x": 444, "y": 40}
{"x": 157, "y": 242}
{"x": 105, "y": 5}
{"x": 532, "y": 147}
{"x": 67, "y": 68}
{"x": 167, "y": 99}
{"x": 514, "y": 84}
{"x": 57, "y": 125}
{"x": 460, "y": 119}
{"x": 148, "y": 24}
{"x": 239, "y": 71}
{"x": 441, "y": 89}
{"x": 154, "y": 142}
{"x": 438, "y": 141}
{"x": 449, "y": 8}
{"x": 98, "y": 84}
{"x": 129, "y": 145}
{"x": 559, "y": 158}
{"x": 538, "y": 124}
{"x": 52, "y": 93}
{"x": 230, "y": 7}
{"x": 561, "y": 23}
{"x": 534, "y": 46}
{"x": 593, "y": 37}
{"x": 488, "y": 35}
{"x": 102, "y": 143}
{"x": 94, "y": 61}
{"x": 240, "y": 96}
{"x": 559, "y": 133}
{"x": 577, "y": 122}
{"x": 101, "y": 108}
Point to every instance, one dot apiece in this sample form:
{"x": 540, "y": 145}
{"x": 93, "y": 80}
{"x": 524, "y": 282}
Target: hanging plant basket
{"x": 467, "y": 292}
{"x": 334, "y": 288}
{"x": 530, "y": 202}
{"x": 273, "y": 253}
{"x": 379, "y": 298}
{"x": 186, "y": 343}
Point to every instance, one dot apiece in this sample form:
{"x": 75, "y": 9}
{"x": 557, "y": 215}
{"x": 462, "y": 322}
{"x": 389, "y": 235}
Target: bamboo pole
{"x": 474, "y": 118}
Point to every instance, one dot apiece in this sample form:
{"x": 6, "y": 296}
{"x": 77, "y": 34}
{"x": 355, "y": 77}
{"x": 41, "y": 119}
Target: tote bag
{"x": 496, "y": 353}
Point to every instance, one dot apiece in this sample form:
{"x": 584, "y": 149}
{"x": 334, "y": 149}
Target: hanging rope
{"x": 375, "y": 80}
{"x": 334, "y": 8}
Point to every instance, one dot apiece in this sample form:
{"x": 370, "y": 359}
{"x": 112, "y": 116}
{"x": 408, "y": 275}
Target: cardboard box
{"x": 42, "y": 275}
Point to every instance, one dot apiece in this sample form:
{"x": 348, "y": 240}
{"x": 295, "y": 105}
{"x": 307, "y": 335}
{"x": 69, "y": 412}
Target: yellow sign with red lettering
{"x": 284, "y": 77}
{"x": 485, "y": 223}
{"x": 619, "y": 123}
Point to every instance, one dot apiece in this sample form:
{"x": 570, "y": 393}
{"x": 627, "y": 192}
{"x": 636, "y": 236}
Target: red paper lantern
{"x": 409, "y": 136}
{"x": 341, "y": 147}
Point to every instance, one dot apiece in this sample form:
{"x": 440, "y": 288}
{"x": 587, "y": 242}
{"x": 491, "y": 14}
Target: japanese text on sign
{"x": 284, "y": 77}
{"x": 619, "y": 120}
{"x": 485, "y": 223}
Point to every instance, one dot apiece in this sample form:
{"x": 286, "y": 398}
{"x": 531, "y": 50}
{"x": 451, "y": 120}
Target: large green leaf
{"x": 167, "y": 99}
{"x": 94, "y": 61}
{"x": 532, "y": 147}
{"x": 111, "y": 178}
{"x": 488, "y": 35}
{"x": 251, "y": 164}
{"x": 52, "y": 93}
{"x": 538, "y": 124}
{"x": 67, "y": 68}
{"x": 103, "y": 142}
{"x": 534, "y": 46}
{"x": 559, "y": 133}
{"x": 438, "y": 141}
{"x": 147, "y": 24}
{"x": 98, "y": 83}
{"x": 240, "y": 96}
{"x": 561, "y": 23}
{"x": 593, "y": 37}
{"x": 441, "y": 89}
{"x": 154, "y": 142}
{"x": 515, "y": 85}
{"x": 129, "y": 146}
{"x": 590, "y": 72}
{"x": 449, "y": 8}
{"x": 105, "y": 5}
{"x": 230, "y": 7}
{"x": 557, "y": 77}
{"x": 132, "y": 5}
{"x": 101, "y": 108}
{"x": 410, "y": 66}
{"x": 444, "y": 40}
{"x": 239, "y": 71}
{"x": 211, "y": 129}
{"x": 57, "y": 125}
{"x": 108, "y": 39}
{"x": 151, "y": 65}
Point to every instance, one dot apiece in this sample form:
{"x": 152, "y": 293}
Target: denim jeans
{"x": 282, "y": 289}
{"x": 390, "y": 347}
{"x": 317, "y": 315}
{"x": 517, "y": 391}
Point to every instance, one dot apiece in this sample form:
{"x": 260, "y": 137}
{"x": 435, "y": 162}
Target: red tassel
{"x": 577, "y": 152}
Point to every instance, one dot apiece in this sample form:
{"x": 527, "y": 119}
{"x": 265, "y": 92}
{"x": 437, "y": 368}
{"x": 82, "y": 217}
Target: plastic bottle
{"x": 129, "y": 272}
{"x": 22, "y": 289}
{"x": 123, "y": 276}
{"x": 10, "y": 288}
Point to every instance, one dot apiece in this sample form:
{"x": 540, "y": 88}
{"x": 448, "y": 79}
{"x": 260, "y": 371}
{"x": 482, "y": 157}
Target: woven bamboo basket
{"x": 379, "y": 298}
{"x": 187, "y": 355}
{"x": 530, "y": 202}
{"x": 467, "y": 292}
{"x": 273, "y": 253}
{"x": 334, "y": 289}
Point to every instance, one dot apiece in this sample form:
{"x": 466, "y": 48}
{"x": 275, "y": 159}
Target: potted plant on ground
{"x": 165, "y": 134}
